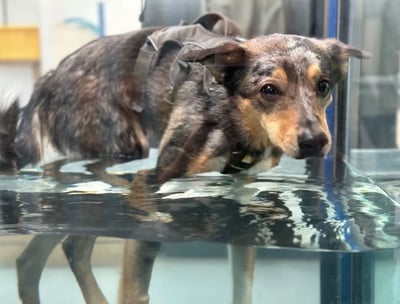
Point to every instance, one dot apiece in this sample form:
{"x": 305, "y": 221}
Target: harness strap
{"x": 240, "y": 160}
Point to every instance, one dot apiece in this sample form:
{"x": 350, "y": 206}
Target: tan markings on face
{"x": 313, "y": 72}
{"x": 283, "y": 128}
{"x": 280, "y": 74}
{"x": 329, "y": 102}
{"x": 250, "y": 119}
{"x": 325, "y": 128}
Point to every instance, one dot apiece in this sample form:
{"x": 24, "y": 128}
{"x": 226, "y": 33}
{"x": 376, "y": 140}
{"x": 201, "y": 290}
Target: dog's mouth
{"x": 302, "y": 155}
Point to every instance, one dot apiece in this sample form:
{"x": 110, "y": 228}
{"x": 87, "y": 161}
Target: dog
{"x": 229, "y": 105}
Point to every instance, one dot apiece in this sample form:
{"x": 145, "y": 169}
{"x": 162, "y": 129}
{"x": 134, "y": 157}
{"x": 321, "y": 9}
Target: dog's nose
{"x": 312, "y": 144}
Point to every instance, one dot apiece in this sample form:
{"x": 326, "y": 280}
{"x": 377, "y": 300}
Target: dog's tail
{"x": 9, "y": 112}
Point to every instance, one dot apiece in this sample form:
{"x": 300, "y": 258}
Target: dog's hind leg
{"x": 30, "y": 265}
{"x": 137, "y": 266}
{"x": 242, "y": 259}
{"x": 78, "y": 250}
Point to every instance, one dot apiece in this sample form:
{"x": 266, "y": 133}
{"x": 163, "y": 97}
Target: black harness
{"x": 201, "y": 34}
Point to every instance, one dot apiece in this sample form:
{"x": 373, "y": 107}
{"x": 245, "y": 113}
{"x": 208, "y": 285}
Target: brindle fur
{"x": 87, "y": 106}
{"x": 92, "y": 105}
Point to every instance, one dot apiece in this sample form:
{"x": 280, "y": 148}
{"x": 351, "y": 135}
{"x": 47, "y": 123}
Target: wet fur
{"x": 91, "y": 105}
{"x": 87, "y": 107}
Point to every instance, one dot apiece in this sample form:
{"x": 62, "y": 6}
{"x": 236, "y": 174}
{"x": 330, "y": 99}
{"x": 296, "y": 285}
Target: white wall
{"x": 121, "y": 16}
{"x": 57, "y": 38}
{"x": 21, "y": 12}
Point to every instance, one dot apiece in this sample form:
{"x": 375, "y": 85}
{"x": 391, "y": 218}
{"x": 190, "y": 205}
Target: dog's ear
{"x": 218, "y": 59}
{"x": 340, "y": 53}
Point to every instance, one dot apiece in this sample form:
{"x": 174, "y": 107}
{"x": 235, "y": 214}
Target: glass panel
{"x": 378, "y": 33}
{"x": 372, "y": 128}
{"x": 372, "y": 121}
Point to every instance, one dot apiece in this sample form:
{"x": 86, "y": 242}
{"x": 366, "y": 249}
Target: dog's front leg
{"x": 137, "y": 266}
{"x": 242, "y": 259}
{"x": 30, "y": 265}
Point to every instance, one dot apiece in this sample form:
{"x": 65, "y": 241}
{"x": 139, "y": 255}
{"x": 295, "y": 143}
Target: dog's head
{"x": 281, "y": 86}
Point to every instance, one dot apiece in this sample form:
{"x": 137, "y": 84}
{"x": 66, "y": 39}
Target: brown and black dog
{"x": 230, "y": 105}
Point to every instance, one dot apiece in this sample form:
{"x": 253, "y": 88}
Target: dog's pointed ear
{"x": 340, "y": 53}
{"x": 218, "y": 59}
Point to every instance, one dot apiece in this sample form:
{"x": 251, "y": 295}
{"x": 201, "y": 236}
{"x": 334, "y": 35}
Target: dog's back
{"x": 88, "y": 106}
{"x": 97, "y": 103}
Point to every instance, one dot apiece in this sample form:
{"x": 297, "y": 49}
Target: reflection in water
{"x": 286, "y": 207}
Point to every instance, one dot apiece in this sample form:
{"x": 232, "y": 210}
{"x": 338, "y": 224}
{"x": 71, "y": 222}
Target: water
{"x": 331, "y": 239}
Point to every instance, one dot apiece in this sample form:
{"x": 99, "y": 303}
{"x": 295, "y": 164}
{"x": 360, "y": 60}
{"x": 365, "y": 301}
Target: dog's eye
{"x": 271, "y": 92}
{"x": 324, "y": 87}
